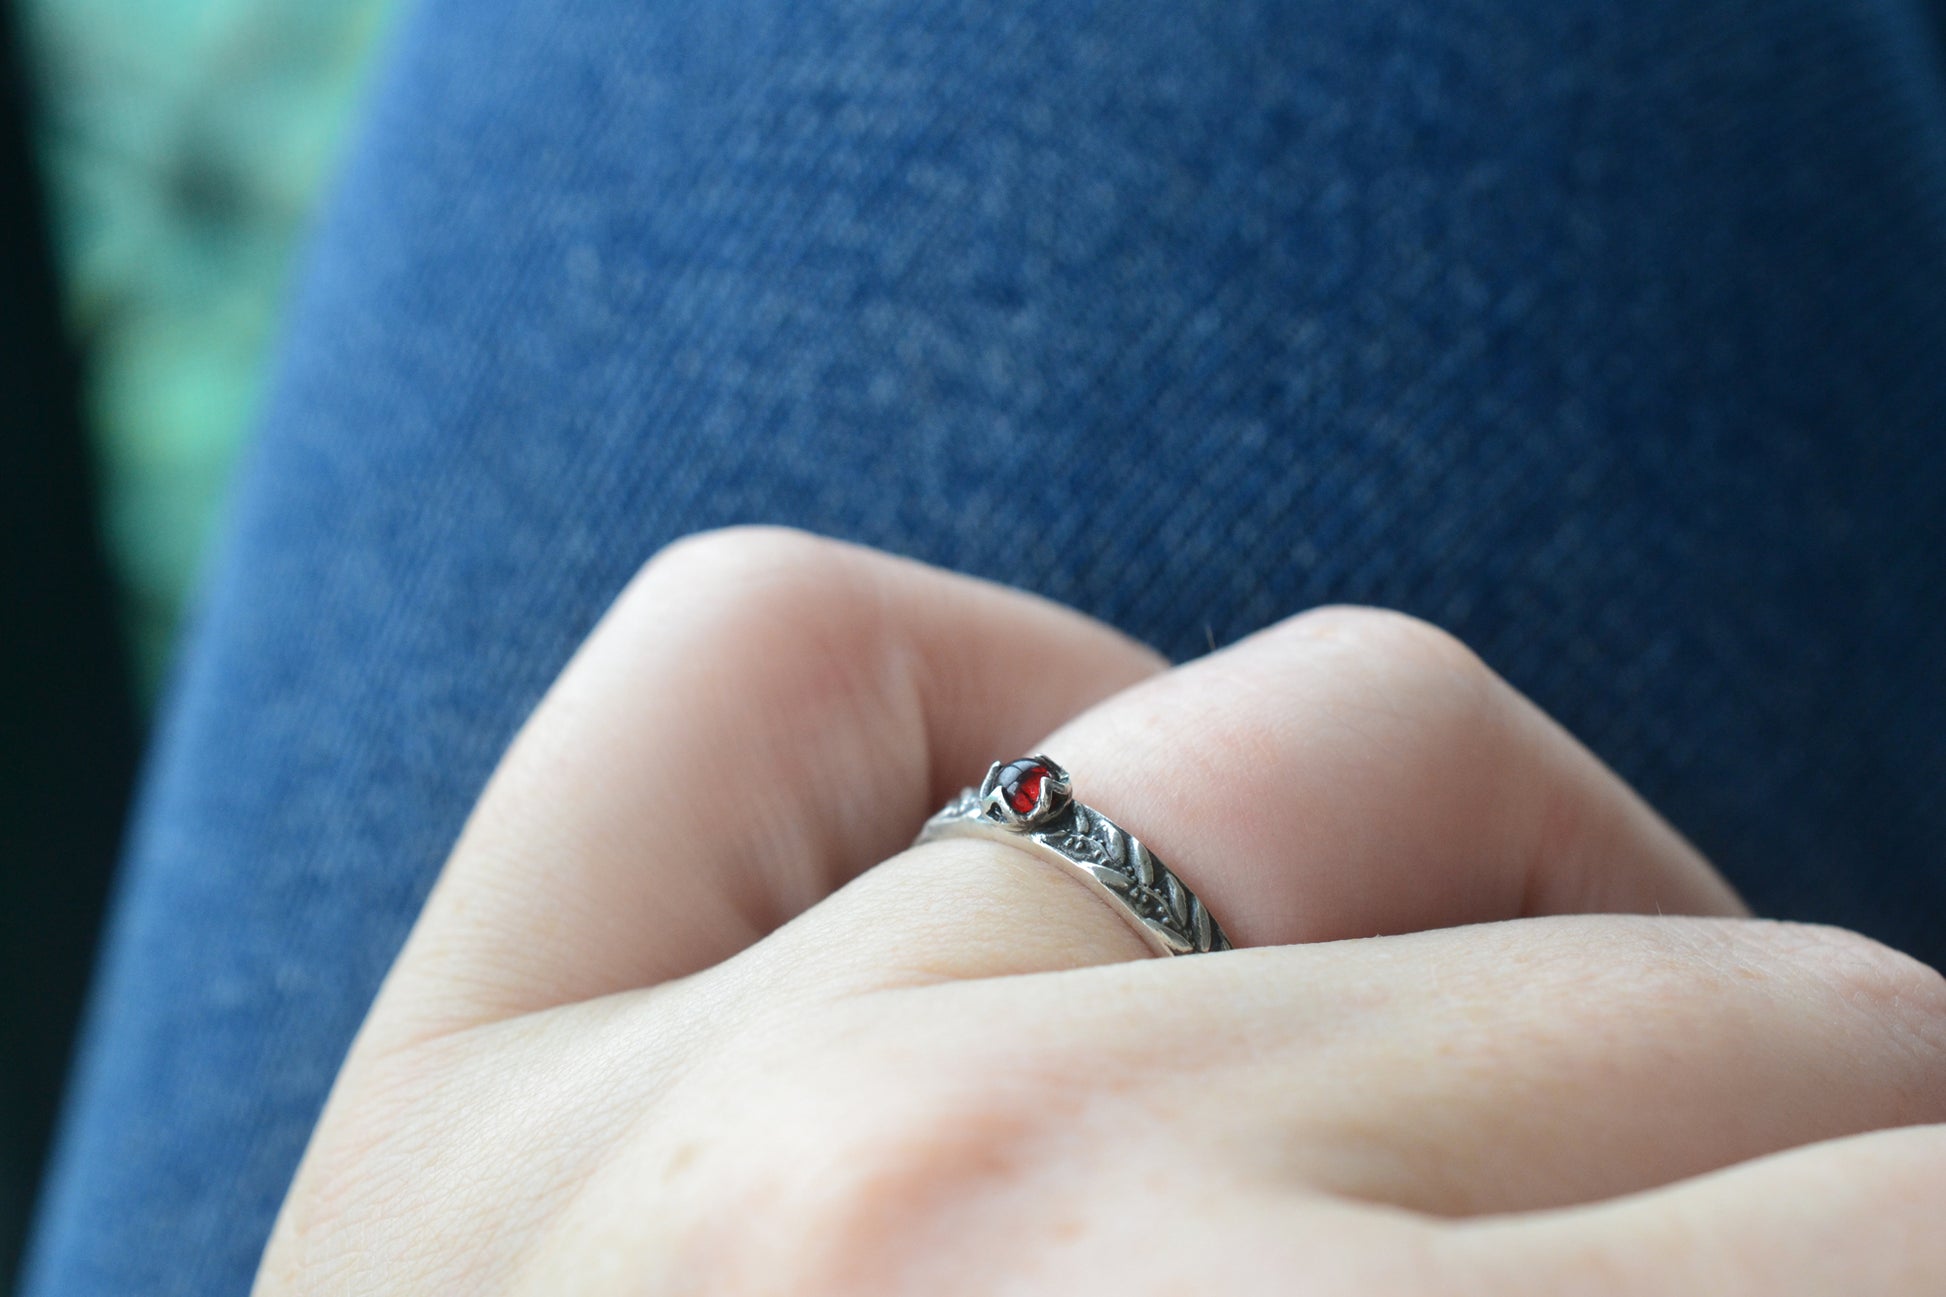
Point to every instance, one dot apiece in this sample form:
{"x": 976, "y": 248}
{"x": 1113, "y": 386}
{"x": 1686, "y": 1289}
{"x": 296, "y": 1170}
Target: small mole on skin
{"x": 679, "y": 1161}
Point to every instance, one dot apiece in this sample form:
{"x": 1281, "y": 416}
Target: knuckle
{"x": 1675, "y": 961}
{"x": 1396, "y": 643}
{"x": 1377, "y": 672}
{"x": 1897, "y": 995}
{"x": 747, "y": 579}
{"x": 866, "y": 1150}
{"x": 738, "y": 554}
{"x": 1863, "y": 970}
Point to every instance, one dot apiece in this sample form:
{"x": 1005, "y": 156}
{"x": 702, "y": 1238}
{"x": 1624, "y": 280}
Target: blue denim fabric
{"x": 1607, "y": 333}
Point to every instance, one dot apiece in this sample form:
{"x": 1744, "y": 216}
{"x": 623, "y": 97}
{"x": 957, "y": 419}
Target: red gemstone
{"x": 1026, "y": 792}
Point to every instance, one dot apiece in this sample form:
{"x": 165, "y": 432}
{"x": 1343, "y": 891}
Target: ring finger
{"x": 1345, "y": 773}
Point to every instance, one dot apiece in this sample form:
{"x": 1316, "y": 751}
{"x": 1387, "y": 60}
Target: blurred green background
{"x": 160, "y": 161}
{"x": 184, "y": 143}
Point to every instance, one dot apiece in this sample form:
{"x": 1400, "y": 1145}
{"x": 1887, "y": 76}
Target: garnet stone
{"x": 1024, "y": 792}
{"x": 1023, "y": 783}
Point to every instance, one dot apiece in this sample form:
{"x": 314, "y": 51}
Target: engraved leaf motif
{"x": 1178, "y": 901}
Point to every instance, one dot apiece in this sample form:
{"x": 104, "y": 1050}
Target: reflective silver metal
{"x": 1085, "y": 843}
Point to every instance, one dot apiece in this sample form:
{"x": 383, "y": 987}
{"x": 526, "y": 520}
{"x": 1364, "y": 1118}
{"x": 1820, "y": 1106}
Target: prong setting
{"x": 1026, "y": 793}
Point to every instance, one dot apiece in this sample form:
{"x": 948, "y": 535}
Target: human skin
{"x": 684, "y": 1016}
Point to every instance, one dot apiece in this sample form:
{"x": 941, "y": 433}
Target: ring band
{"x": 1029, "y": 804}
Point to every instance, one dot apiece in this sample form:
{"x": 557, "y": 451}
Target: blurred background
{"x": 159, "y": 162}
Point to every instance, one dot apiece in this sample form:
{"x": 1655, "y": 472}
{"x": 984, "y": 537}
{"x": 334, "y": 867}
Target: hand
{"x": 663, "y": 1029}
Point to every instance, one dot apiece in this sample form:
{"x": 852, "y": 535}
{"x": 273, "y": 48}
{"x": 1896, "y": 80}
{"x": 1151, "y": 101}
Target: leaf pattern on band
{"x": 1147, "y": 887}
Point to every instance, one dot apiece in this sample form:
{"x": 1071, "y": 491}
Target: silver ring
{"x": 1029, "y": 804}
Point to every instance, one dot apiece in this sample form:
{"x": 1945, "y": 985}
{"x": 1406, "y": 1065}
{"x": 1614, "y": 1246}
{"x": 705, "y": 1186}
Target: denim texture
{"x": 1606, "y": 333}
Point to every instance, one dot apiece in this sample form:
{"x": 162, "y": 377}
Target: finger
{"x": 1567, "y": 1060}
{"x": 1856, "y": 1217}
{"x": 1346, "y": 773}
{"x": 1520, "y": 1065}
{"x": 760, "y": 715}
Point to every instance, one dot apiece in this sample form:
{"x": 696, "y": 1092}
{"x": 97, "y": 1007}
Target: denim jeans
{"x": 1609, "y": 334}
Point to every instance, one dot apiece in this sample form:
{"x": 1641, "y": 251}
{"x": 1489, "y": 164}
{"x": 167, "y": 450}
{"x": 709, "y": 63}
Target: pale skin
{"x": 684, "y": 1016}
